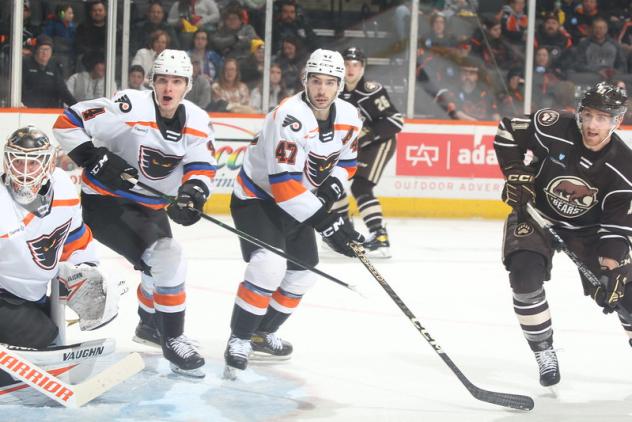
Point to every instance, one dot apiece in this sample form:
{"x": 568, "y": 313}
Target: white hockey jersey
{"x": 128, "y": 126}
{"x": 32, "y": 247}
{"x": 290, "y": 158}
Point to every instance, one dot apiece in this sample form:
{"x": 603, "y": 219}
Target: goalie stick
{"x": 246, "y": 236}
{"x": 514, "y": 401}
{"x": 73, "y": 396}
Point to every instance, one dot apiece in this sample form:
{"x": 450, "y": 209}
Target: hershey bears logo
{"x": 523, "y": 230}
{"x": 155, "y": 165}
{"x": 45, "y": 249}
{"x": 318, "y": 168}
{"x": 292, "y": 122}
{"x": 571, "y": 196}
{"x": 548, "y": 117}
{"x": 125, "y": 105}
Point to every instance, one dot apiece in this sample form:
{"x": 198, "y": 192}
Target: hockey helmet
{"x": 354, "y": 53}
{"x": 175, "y": 63}
{"x": 29, "y": 161}
{"x": 605, "y": 97}
{"x": 326, "y": 62}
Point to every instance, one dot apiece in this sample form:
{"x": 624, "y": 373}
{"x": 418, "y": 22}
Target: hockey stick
{"x": 247, "y": 237}
{"x": 14, "y": 364}
{"x": 513, "y": 401}
{"x": 586, "y": 272}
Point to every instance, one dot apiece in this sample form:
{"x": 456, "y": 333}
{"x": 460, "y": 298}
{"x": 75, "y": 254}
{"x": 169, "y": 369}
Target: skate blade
{"x": 142, "y": 341}
{"x": 380, "y": 253}
{"x": 266, "y": 357}
{"x": 191, "y": 373}
{"x": 231, "y": 373}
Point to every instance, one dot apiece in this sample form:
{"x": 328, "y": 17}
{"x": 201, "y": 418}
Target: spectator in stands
{"x": 579, "y": 23}
{"x": 459, "y": 8}
{"x": 471, "y": 101}
{"x": 136, "y": 78}
{"x": 210, "y": 60}
{"x": 291, "y": 24}
{"x": 545, "y": 76}
{"x": 187, "y": 16}
{"x": 627, "y": 117}
{"x": 554, "y": 38}
{"x": 564, "y": 96}
{"x": 62, "y": 29}
{"x": 625, "y": 40}
{"x": 233, "y": 37}
{"x": 514, "y": 21}
{"x": 599, "y": 53}
{"x": 496, "y": 51}
{"x": 30, "y": 31}
{"x": 438, "y": 37}
{"x": 511, "y": 102}
{"x": 145, "y": 56}
{"x": 200, "y": 93}
{"x": 252, "y": 66}
{"x": 91, "y": 34}
{"x": 90, "y": 83}
{"x": 230, "y": 89}
{"x": 42, "y": 79}
{"x": 154, "y": 20}
{"x": 278, "y": 91}
{"x": 291, "y": 60}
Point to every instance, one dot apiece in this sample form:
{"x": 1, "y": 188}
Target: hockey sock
{"x": 371, "y": 212}
{"x": 170, "y": 325}
{"x": 243, "y": 324}
{"x": 146, "y": 318}
{"x": 532, "y": 311}
{"x": 272, "y": 320}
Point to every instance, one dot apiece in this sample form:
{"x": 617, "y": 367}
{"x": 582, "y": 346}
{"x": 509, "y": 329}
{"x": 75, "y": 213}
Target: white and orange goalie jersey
{"x": 31, "y": 247}
{"x": 166, "y": 154}
{"x": 291, "y": 158}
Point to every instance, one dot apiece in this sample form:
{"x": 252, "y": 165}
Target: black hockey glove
{"x": 337, "y": 231}
{"x": 519, "y": 188}
{"x": 330, "y": 191}
{"x": 107, "y": 168}
{"x": 612, "y": 288}
{"x": 189, "y": 203}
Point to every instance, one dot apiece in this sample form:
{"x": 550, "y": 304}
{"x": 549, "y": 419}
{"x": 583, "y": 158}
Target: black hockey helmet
{"x": 354, "y": 53}
{"x": 605, "y": 97}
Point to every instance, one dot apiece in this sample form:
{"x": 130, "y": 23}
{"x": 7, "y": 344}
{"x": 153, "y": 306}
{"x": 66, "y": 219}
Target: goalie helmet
{"x": 29, "y": 162}
{"x": 175, "y": 63}
{"x": 605, "y": 97}
{"x": 326, "y": 62}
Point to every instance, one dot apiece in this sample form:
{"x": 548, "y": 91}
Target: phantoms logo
{"x": 155, "y": 164}
{"x": 571, "y": 197}
{"x": 45, "y": 249}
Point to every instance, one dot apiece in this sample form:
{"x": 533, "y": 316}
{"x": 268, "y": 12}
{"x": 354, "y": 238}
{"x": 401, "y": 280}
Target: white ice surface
{"x": 360, "y": 359}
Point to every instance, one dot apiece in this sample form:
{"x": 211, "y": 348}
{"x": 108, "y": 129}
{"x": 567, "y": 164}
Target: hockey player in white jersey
{"x": 291, "y": 175}
{"x": 165, "y": 142}
{"x": 42, "y": 240}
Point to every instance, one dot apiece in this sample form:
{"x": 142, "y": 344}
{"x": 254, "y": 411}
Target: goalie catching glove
{"x": 89, "y": 294}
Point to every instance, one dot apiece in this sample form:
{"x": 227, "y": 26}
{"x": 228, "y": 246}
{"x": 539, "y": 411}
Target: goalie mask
{"x": 606, "y": 98}
{"x": 29, "y": 161}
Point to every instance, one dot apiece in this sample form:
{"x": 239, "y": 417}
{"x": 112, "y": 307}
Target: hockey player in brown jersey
{"x": 579, "y": 178}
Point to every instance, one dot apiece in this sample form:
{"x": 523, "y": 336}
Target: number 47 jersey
{"x": 294, "y": 154}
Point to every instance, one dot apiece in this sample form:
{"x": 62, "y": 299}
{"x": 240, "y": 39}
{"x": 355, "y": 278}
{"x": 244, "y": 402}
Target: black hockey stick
{"x": 514, "y": 401}
{"x": 246, "y": 236}
{"x": 586, "y": 272}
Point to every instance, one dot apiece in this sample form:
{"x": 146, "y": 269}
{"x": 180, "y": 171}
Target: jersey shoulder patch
{"x": 547, "y": 117}
{"x": 372, "y": 86}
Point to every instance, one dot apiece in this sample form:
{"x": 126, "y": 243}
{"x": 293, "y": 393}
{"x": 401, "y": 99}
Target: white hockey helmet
{"x": 29, "y": 161}
{"x": 175, "y": 63}
{"x": 326, "y": 62}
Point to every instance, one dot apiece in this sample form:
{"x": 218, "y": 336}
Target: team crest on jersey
{"x": 125, "y": 105}
{"x": 318, "y": 168}
{"x": 155, "y": 164}
{"x": 292, "y": 122}
{"x": 570, "y": 196}
{"x": 45, "y": 249}
{"x": 91, "y": 113}
{"x": 548, "y": 117}
{"x": 523, "y": 230}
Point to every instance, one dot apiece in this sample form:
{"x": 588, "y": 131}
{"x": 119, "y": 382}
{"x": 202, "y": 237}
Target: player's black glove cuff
{"x": 337, "y": 231}
{"x": 107, "y": 168}
{"x": 519, "y": 188}
{"x": 330, "y": 191}
{"x": 189, "y": 204}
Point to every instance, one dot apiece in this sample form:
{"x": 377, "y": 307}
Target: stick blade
{"x": 111, "y": 376}
{"x": 513, "y": 401}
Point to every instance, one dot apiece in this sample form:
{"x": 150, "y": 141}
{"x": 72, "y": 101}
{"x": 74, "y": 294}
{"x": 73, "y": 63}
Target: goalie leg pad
{"x": 24, "y": 323}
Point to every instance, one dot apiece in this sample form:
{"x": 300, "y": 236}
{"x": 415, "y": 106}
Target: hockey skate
{"x": 182, "y": 354}
{"x": 147, "y": 334}
{"x": 378, "y": 245}
{"x": 236, "y": 356}
{"x": 269, "y": 347}
{"x": 548, "y": 366}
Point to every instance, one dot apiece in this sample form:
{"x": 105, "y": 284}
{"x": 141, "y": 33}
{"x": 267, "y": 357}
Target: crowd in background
{"x": 470, "y": 56}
